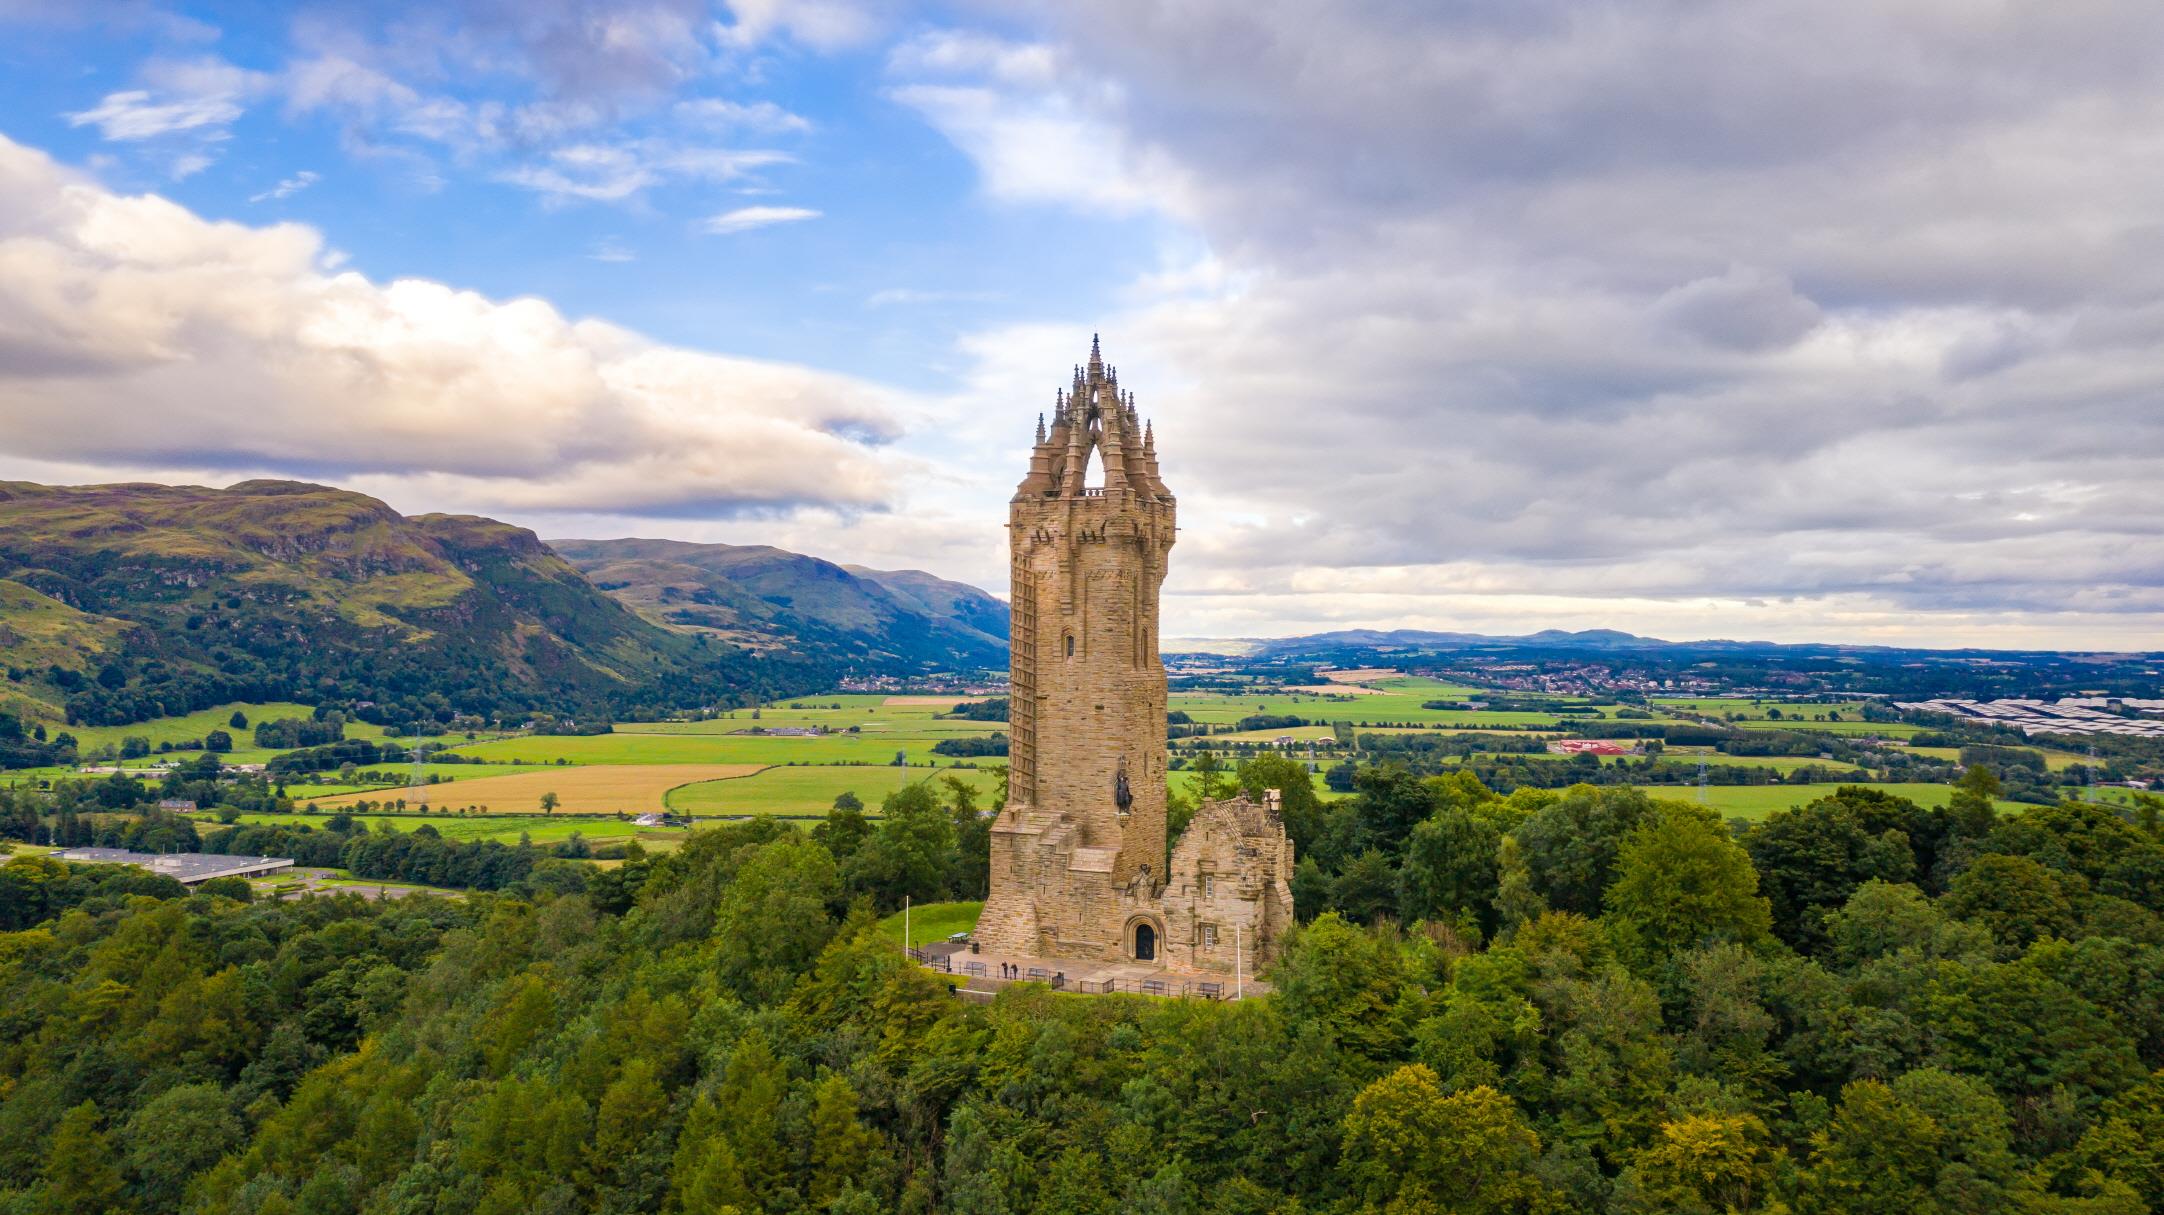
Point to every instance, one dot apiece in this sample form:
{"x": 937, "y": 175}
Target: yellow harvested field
{"x": 580, "y": 788}
{"x": 1362, "y": 674}
{"x": 893, "y": 701}
{"x": 1335, "y": 689}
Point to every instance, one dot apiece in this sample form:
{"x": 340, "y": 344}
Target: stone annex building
{"x": 1079, "y": 868}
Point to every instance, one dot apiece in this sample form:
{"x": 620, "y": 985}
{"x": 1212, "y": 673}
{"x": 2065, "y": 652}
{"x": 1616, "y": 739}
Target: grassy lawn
{"x": 805, "y": 791}
{"x": 932, "y": 922}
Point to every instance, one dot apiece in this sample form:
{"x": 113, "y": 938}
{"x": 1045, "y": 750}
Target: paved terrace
{"x": 980, "y": 976}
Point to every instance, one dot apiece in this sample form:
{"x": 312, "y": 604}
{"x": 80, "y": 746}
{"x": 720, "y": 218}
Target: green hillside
{"x": 768, "y": 599}
{"x": 284, "y": 591}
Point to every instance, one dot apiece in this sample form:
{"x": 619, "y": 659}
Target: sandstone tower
{"x": 1079, "y": 866}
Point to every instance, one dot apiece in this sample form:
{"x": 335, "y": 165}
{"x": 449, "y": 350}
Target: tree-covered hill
{"x": 1553, "y": 1002}
{"x": 121, "y": 603}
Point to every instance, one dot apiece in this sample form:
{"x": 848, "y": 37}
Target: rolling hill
{"x": 121, "y": 603}
{"x": 770, "y": 600}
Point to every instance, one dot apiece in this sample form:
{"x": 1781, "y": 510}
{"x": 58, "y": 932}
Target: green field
{"x": 449, "y": 773}
{"x": 504, "y": 828}
{"x": 1758, "y": 801}
{"x": 1883, "y": 729}
{"x": 810, "y": 791}
{"x": 932, "y": 922}
{"x": 643, "y": 748}
{"x": 904, "y": 722}
{"x": 192, "y": 727}
{"x": 1756, "y": 710}
{"x": 2113, "y": 795}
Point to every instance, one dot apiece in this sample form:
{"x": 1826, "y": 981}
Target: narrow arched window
{"x": 1070, "y": 645}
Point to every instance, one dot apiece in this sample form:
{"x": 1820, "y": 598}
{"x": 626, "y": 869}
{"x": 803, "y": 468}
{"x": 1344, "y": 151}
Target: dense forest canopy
{"x": 1574, "y": 1000}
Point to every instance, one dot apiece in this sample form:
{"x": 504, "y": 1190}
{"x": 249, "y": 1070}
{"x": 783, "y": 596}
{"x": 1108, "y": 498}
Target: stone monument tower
{"x": 1079, "y": 866}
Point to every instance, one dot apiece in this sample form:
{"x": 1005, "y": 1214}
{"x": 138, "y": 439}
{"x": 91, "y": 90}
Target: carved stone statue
{"x": 1122, "y": 796}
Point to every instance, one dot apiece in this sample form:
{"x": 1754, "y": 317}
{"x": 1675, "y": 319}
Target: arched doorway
{"x": 1145, "y": 942}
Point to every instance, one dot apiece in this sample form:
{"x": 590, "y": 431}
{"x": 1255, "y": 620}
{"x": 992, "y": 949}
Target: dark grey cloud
{"x": 1851, "y": 310}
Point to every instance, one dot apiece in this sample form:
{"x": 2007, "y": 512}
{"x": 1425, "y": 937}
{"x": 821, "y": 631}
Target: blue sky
{"x": 903, "y": 250}
{"x": 1770, "y": 319}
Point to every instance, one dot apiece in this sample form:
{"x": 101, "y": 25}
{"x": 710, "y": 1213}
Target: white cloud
{"x": 134, "y": 334}
{"x": 1037, "y": 125}
{"x": 744, "y": 219}
{"x": 714, "y": 113}
{"x": 1504, "y": 316}
{"x": 613, "y": 173}
{"x": 287, "y": 187}
{"x": 134, "y": 114}
{"x": 609, "y": 249}
{"x": 827, "y": 25}
{"x": 199, "y": 97}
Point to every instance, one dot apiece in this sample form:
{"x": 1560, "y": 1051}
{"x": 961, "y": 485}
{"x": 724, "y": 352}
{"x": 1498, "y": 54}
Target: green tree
{"x": 1449, "y": 869}
{"x": 1681, "y": 881}
{"x": 1704, "y": 1164}
{"x": 911, "y": 853}
{"x": 1931, "y": 1143}
{"x": 1344, "y": 982}
{"x": 845, "y": 827}
{"x": 1810, "y": 859}
{"x": 82, "y": 1176}
{"x": 1409, "y": 1148}
{"x": 238, "y": 721}
{"x": 971, "y": 876}
{"x": 1974, "y": 806}
{"x": 841, "y": 1146}
{"x": 1301, "y": 808}
{"x": 1516, "y": 902}
{"x": 549, "y": 802}
{"x": 1210, "y": 778}
{"x": 1571, "y": 843}
{"x": 2013, "y": 898}
{"x": 1387, "y": 803}
{"x": 775, "y": 917}
{"x": 1883, "y": 918}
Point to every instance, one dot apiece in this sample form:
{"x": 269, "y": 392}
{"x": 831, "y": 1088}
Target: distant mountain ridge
{"x": 1605, "y": 640}
{"x": 770, "y": 600}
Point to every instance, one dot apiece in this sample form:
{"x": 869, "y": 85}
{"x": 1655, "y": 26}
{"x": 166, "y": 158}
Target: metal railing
{"x": 983, "y": 975}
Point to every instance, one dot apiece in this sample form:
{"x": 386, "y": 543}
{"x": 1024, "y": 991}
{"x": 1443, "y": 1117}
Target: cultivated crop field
{"x": 582, "y": 789}
{"x": 810, "y": 791}
{"x": 641, "y": 747}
